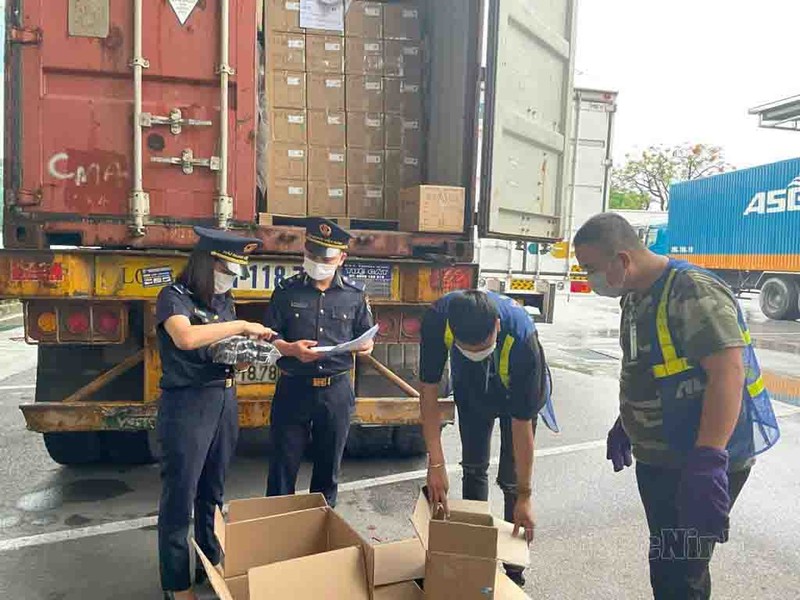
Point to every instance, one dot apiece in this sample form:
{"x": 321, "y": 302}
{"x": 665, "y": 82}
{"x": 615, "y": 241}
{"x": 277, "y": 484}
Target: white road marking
{"x": 783, "y": 409}
{"x": 69, "y": 535}
{"x": 15, "y": 388}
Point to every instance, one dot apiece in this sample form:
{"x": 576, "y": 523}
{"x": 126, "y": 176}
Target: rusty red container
{"x": 70, "y": 119}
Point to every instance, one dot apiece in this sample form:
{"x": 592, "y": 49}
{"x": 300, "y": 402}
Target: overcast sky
{"x": 688, "y": 71}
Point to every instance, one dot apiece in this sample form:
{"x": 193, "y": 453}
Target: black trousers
{"x": 197, "y": 429}
{"x": 678, "y": 562}
{"x": 475, "y": 428}
{"x": 300, "y": 412}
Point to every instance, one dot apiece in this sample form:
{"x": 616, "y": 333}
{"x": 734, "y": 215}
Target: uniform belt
{"x": 316, "y": 382}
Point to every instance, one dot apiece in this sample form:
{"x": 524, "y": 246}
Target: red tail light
{"x": 65, "y": 322}
{"x": 107, "y": 322}
{"x": 78, "y": 322}
{"x": 580, "y": 287}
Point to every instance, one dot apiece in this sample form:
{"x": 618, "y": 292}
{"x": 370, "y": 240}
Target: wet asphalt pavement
{"x": 89, "y": 533}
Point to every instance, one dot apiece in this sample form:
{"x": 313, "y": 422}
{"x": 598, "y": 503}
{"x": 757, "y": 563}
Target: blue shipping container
{"x": 744, "y": 220}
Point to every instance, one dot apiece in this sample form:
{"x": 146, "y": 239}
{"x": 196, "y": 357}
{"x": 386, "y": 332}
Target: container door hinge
{"x": 27, "y": 36}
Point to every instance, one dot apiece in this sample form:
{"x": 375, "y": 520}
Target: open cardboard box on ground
{"x": 464, "y": 552}
{"x": 298, "y": 546}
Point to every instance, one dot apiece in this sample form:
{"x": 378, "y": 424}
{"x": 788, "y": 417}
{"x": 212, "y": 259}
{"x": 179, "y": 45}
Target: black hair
{"x": 609, "y": 231}
{"x": 472, "y": 316}
{"x": 198, "y": 275}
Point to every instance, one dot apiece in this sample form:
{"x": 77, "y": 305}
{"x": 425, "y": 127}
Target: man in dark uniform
{"x": 314, "y": 395}
{"x": 498, "y": 370}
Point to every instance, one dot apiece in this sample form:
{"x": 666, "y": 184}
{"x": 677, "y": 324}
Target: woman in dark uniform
{"x": 197, "y": 414}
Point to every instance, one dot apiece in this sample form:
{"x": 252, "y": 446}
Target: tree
{"x": 622, "y": 200}
{"x": 652, "y": 173}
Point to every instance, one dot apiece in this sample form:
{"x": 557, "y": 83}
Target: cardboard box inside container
{"x": 324, "y": 54}
{"x": 402, "y": 21}
{"x": 287, "y": 161}
{"x": 365, "y": 167}
{"x": 464, "y": 552}
{"x": 286, "y": 51}
{"x": 287, "y": 197}
{"x": 327, "y": 164}
{"x": 327, "y": 128}
{"x": 402, "y": 58}
{"x": 363, "y": 56}
{"x": 365, "y": 201}
{"x": 283, "y": 15}
{"x": 432, "y": 208}
{"x": 364, "y": 93}
{"x": 403, "y": 169}
{"x": 403, "y": 133}
{"x": 365, "y": 130}
{"x": 391, "y": 202}
{"x": 286, "y": 89}
{"x": 325, "y": 91}
{"x": 327, "y": 199}
{"x": 364, "y": 20}
{"x": 403, "y": 96}
{"x": 288, "y": 125}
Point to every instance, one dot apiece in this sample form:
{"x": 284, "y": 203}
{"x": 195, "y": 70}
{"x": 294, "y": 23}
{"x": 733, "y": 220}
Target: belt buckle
{"x": 320, "y": 382}
{"x": 229, "y": 382}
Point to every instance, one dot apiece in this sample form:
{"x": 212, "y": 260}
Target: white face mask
{"x": 478, "y": 356}
{"x": 319, "y": 271}
{"x": 223, "y": 282}
{"x": 601, "y": 287}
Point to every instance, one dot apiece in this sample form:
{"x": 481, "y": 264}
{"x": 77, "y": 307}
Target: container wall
{"x": 73, "y": 129}
{"x": 744, "y": 220}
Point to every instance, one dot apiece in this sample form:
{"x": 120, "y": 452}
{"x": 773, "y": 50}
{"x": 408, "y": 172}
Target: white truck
{"x": 532, "y": 273}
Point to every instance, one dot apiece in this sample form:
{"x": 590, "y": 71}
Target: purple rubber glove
{"x": 704, "y": 499}
{"x": 618, "y": 447}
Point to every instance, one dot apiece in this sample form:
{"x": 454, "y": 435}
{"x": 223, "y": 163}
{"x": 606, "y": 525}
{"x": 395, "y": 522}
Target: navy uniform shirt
{"x": 189, "y": 368}
{"x": 478, "y": 385}
{"x": 299, "y": 311}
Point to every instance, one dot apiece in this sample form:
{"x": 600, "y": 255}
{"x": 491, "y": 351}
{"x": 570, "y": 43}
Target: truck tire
{"x": 366, "y": 441}
{"x": 779, "y": 299}
{"x": 408, "y": 441}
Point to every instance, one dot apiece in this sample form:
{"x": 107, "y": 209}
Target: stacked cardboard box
{"x": 345, "y": 130}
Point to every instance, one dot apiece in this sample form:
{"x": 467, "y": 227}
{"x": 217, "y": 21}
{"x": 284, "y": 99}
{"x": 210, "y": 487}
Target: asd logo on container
{"x": 776, "y": 201}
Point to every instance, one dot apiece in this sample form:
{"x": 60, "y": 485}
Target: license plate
{"x": 258, "y": 374}
{"x": 266, "y": 275}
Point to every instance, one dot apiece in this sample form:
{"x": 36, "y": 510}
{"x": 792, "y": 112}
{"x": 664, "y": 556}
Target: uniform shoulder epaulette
{"x": 180, "y": 288}
{"x": 356, "y": 285}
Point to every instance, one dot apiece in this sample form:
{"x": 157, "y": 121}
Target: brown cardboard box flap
{"x": 456, "y": 537}
{"x": 214, "y": 577}
{"x": 469, "y": 506}
{"x": 399, "y": 561}
{"x": 238, "y": 587}
{"x": 335, "y": 574}
{"x": 250, "y": 544}
{"x": 257, "y": 508}
{"x": 408, "y": 590}
{"x": 467, "y": 531}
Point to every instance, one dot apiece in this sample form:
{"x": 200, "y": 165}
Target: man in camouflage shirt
{"x": 681, "y": 491}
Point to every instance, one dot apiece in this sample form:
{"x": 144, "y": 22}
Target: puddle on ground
{"x": 87, "y": 490}
{"x": 782, "y": 387}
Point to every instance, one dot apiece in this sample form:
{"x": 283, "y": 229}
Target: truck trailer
{"x": 128, "y": 122}
{"x": 745, "y": 227}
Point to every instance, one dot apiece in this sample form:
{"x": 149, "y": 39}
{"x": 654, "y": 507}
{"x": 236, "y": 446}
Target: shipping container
{"x": 523, "y": 269}
{"x": 130, "y": 121}
{"x": 745, "y": 226}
